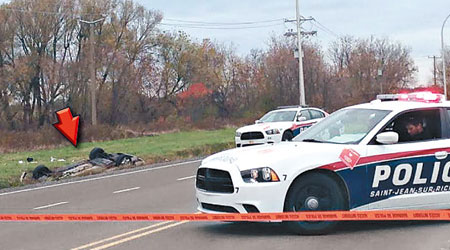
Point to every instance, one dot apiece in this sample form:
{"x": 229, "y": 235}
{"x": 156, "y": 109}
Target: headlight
{"x": 255, "y": 175}
{"x": 272, "y": 131}
{"x": 238, "y": 134}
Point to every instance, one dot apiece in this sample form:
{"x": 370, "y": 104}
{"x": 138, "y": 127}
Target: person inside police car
{"x": 416, "y": 129}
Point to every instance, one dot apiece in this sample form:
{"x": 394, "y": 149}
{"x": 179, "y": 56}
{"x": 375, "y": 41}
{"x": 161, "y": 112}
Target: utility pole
{"x": 304, "y": 33}
{"x": 443, "y": 57}
{"x": 299, "y": 34}
{"x": 434, "y": 68}
{"x": 92, "y": 79}
{"x": 379, "y": 76}
{"x": 301, "y": 83}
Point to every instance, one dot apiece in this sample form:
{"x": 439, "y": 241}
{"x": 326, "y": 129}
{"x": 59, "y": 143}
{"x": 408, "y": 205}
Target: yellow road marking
{"x": 139, "y": 235}
{"x": 132, "y": 232}
{"x": 121, "y": 235}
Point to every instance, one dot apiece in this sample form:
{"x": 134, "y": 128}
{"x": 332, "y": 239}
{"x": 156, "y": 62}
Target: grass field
{"x": 170, "y": 146}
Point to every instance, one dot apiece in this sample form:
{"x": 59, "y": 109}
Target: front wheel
{"x": 314, "y": 192}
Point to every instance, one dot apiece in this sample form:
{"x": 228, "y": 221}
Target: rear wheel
{"x": 122, "y": 159}
{"x": 97, "y": 153}
{"x": 287, "y": 136}
{"x": 314, "y": 192}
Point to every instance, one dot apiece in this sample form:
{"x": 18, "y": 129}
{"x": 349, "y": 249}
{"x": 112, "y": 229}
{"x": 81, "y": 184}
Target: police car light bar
{"x": 427, "y": 97}
{"x": 388, "y": 97}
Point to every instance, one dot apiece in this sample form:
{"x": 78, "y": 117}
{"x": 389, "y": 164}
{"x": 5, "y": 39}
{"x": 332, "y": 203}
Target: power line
{"x": 32, "y": 3}
{"x": 218, "y": 27}
{"x": 182, "y": 24}
{"x": 324, "y": 28}
{"x": 291, "y": 32}
{"x": 178, "y": 22}
{"x": 30, "y": 11}
{"x": 223, "y": 23}
{"x": 43, "y": 12}
{"x": 326, "y": 31}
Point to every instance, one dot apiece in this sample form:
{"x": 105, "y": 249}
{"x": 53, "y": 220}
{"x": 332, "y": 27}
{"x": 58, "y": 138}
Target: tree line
{"x": 141, "y": 71}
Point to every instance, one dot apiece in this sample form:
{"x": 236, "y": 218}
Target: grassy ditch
{"x": 160, "y": 148}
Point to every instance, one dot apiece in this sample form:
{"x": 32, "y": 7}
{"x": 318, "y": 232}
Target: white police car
{"x": 281, "y": 124}
{"x": 363, "y": 157}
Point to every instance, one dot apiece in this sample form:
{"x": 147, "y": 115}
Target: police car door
{"x": 316, "y": 115}
{"x": 411, "y": 173}
{"x": 312, "y": 117}
{"x": 302, "y": 122}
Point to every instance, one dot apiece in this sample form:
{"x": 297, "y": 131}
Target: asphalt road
{"x": 170, "y": 189}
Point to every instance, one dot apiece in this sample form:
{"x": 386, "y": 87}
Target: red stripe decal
{"x": 294, "y": 127}
{"x": 336, "y": 166}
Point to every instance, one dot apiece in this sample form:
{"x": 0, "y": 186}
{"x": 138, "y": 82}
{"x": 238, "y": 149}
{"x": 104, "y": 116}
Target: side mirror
{"x": 258, "y": 122}
{"x": 387, "y": 138}
{"x": 301, "y": 118}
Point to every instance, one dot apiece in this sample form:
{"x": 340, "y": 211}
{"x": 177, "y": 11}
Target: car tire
{"x": 287, "y": 136}
{"x": 314, "y": 192}
{"x": 97, "y": 153}
{"x": 121, "y": 159}
{"x": 40, "y": 171}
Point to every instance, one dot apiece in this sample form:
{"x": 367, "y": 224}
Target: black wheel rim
{"x": 311, "y": 194}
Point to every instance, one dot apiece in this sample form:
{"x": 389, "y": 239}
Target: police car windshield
{"x": 279, "y": 116}
{"x": 346, "y": 126}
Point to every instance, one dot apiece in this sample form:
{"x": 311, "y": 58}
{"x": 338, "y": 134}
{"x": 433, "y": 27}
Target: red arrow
{"x": 68, "y": 125}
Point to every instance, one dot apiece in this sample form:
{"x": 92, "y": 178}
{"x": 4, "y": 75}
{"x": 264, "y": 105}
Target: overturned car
{"x": 98, "y": 162}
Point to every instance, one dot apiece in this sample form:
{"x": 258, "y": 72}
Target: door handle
{"x": 441, "y": 155}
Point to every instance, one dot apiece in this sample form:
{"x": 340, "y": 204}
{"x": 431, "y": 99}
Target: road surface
{"x": 170, "y": 189}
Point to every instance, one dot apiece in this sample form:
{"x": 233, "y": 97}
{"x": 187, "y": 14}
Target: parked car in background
{"x": 281, "y": 124}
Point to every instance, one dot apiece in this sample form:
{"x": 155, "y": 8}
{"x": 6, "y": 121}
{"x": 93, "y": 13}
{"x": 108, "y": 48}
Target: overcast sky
{"x": 414, "y": 23}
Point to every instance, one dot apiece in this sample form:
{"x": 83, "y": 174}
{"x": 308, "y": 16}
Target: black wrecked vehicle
{"x": 98, "y": 161}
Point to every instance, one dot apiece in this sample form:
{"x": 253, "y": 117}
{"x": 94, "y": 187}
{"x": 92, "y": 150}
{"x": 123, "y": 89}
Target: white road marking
{"x": 185, "y": 178}
{"x": 125, "y": 190}
{"x": 51, "y": 205}
{"x": 99, "y": 178}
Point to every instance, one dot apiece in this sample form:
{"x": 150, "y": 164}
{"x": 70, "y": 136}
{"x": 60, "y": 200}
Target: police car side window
{"x": 305, "y": 113}
{"x": 448, "y": 111}
{"x": 316, "y": 114}
{"x": 448, "y": 123}
{"x": 416, "y": 126}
